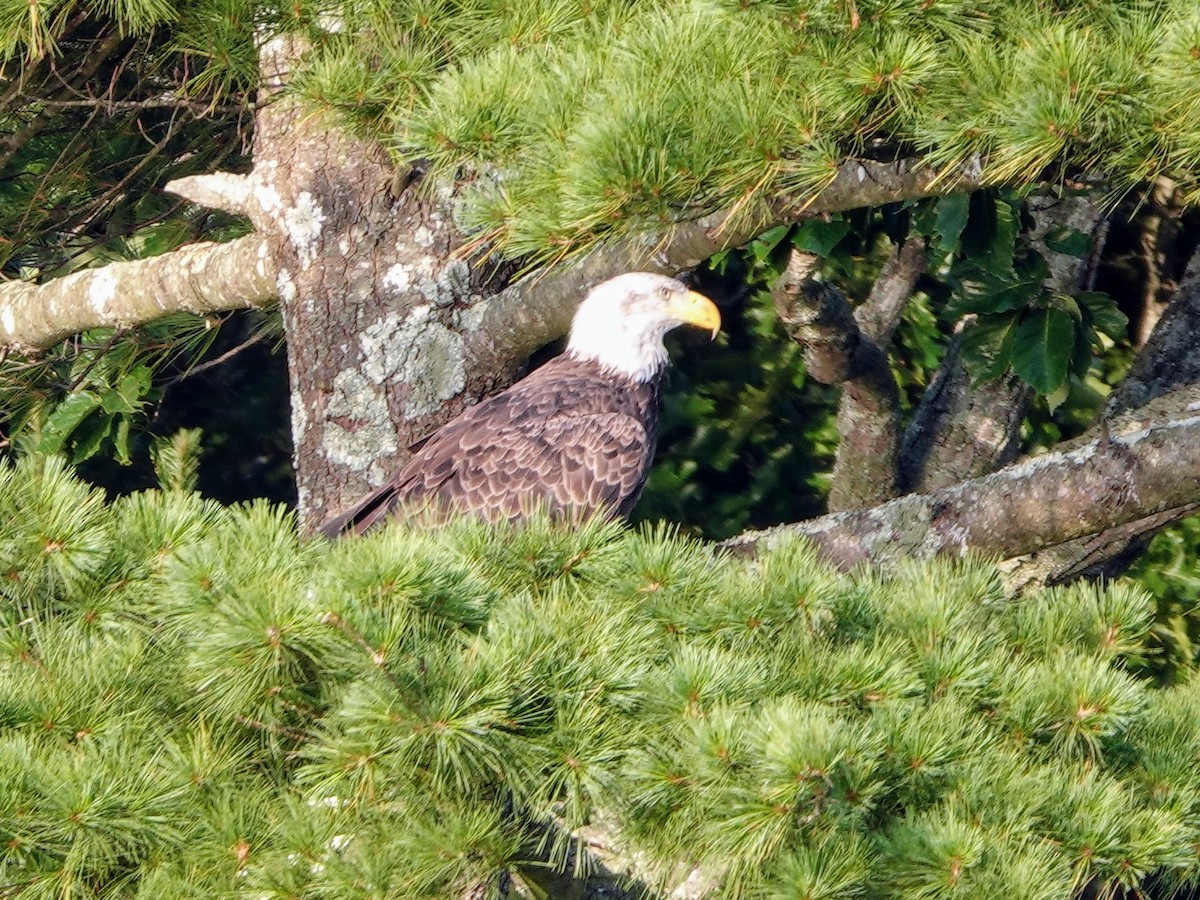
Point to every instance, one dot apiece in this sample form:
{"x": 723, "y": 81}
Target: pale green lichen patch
{"x": 418, "y": 351}
{"x": 367, "y": 433}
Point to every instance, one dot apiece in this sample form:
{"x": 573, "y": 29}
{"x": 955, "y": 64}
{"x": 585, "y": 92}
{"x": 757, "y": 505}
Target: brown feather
{"x": 571, "y": 437}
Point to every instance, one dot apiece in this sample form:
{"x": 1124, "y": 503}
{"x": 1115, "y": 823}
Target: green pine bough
{"x": 195, "y": 703}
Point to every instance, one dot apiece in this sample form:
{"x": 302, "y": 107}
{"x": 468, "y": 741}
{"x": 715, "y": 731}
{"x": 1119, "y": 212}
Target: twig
{"x": 224, "y": 357}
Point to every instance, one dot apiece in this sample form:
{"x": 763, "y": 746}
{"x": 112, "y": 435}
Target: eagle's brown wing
{"x": 501, "y": 467}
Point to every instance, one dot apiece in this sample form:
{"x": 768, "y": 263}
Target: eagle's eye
{"x": 665, "y": 292}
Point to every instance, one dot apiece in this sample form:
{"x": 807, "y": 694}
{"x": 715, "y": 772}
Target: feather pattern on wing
{"x": 571, "y": 437}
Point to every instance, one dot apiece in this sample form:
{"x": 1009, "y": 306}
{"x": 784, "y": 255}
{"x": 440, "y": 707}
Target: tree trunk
{"x": 376, "y": 302}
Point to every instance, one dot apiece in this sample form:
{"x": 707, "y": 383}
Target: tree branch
{"x": 198, "y": 278}
{"x": 960, "y": 431}
{"x": 538, "y": 309}
{"x": 1168, "y": 360}
{"x": 514, "y": 323}
{"x": 818, "y": 317}
{"x": 880, "y": 313}
{"x": 1022, "y": 509}
{"x": 1164, "y": 382}
{"x": 217, "y": 190}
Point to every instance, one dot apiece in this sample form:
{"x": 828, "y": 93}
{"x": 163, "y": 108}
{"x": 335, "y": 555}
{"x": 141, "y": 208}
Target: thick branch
{"x": 538, "y": 309}
{"x": 960, "y": 432}
{"x": 1021, "y": 509}
{"x": 1164, "y": 382}
{"x": 1168, "y": 360}
{"x": 818, "y": 317}
{"x": 199, "y": 278}
{"x": 514, "y": 323}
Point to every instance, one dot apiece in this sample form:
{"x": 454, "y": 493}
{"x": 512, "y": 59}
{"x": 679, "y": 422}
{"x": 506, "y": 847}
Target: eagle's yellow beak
{"x": 696, "y": 309}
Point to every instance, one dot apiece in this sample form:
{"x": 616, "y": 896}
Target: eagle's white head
{"x": 621, "y": 322}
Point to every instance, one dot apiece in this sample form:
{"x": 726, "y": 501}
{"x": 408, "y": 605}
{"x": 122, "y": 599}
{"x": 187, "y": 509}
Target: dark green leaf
{"x": 720, "y": 260}
{"x": 1058, "y": 397}
{"x": 1070, "y": 241}
{"x": 987, "y": 346}
{"x": 984, "y": 293}
{"x": 820, "y": 237}
{"x": 998, "y": 256}
{"x": 950, "y": 220}
{"x": 1102, "y": 312}
{"x": 1043, "y": 344}
{"x": 1081, "y": 356}
{"x": 127, "y": 397}
{"x": 89, "y": 437}
{"x": 65, "y": 418}
{"x": 762, "y": 245}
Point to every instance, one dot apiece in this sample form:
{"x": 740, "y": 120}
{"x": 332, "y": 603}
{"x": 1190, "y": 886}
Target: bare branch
{"x": 1168, "y": 360}
{"x": 1027, "y": 507}
{"x": 819, "y": 318}
{"x": 1095, "y": 556}
{"x": 960, "y": 432}
{"x": 538, "y": 309}
{"x": 880, "y": 313}
{"x": 218, "y": 190}
{"x": 199, "y": 278}
{"x": 1164, "y": 382}
{"x": 515, "y": 322}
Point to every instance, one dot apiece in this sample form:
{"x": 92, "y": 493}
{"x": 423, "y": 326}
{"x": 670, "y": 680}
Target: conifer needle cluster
{"x": 576, "y": 121}
{"x": 196, "y": 703}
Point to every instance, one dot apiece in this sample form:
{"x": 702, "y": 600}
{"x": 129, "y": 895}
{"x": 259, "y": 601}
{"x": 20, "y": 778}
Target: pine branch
{"x": 1021, "y": 509}
{"x": 515, "y": 322}
{"x": 199, "y": 278}
{"x": 538, "y": 309}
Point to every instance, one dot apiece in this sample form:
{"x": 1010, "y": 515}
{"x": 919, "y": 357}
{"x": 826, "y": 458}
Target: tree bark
{"x": 961, "y": 430}
{"x": 838, "y": 352}
{"x": 199, "y": 278}
{"x": 1024, "y": 508}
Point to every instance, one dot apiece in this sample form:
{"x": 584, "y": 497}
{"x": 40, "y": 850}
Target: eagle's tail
{"x": 364, "y": 514}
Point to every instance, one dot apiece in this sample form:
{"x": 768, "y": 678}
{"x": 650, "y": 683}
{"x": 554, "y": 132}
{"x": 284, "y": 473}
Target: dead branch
{"x": 200, "y": 278}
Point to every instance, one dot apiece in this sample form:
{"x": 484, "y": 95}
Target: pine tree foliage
{"x": 576, "y": 120}
{"x": 194, "y": 703}
{"x": 583, "y": 120}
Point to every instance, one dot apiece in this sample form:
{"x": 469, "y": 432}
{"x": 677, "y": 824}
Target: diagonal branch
{"x": 880, "y": 313}
{"x": 198, "y": 278}
{"x": 1024, "y": 508}
{"x": 538, "y": 309}
{"x": 515, "y": 322}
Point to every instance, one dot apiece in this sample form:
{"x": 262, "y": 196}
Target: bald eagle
{"x": 575, "y": 437}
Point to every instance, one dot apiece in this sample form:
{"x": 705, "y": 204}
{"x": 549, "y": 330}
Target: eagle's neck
{"x": 636, "y": 353}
